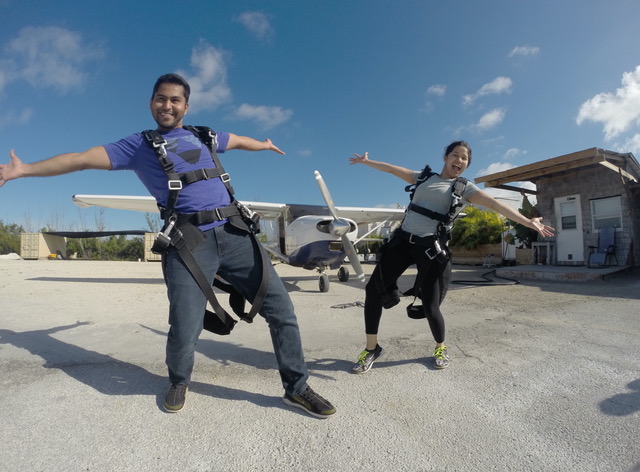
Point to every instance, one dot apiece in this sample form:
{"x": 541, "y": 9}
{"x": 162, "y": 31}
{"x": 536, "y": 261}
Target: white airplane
{"x": 309, "y": 236}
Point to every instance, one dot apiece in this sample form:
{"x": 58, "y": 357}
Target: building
{"x": 579, "y": 193}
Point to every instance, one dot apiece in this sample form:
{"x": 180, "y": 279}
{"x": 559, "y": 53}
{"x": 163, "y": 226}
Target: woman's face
{"x": 455, "y": 162}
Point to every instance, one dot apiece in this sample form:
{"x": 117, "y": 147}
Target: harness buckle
{"x": 218, "y": 214}
{"x": 158, "y": 142}
{"x": 225, "y": 177}
{"x": 175, "y": 185}
{"x": 433, "y": 251}
{"x": 163, "y": 239}
{"x": 411, "y": 241}
{"x": 203, "y": 173}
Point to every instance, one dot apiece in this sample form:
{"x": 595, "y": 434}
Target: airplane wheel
{"x": 343, "y": 274}
{"x": 323, "y": 283}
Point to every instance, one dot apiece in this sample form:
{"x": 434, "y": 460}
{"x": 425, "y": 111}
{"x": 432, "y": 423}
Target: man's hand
{"x": 273, "y": 147}
{"x": 12, "y": 170}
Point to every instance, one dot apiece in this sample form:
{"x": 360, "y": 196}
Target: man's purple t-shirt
{"x": 187, "y": 153}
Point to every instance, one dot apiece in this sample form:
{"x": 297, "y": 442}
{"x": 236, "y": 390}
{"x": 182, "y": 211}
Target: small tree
{"x": 10, "y": 238}
{"x": 478, "y": 227}
{"x": 523, "y": 233}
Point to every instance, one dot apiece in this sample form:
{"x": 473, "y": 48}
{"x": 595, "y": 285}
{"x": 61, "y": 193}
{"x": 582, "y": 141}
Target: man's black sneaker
{"x": 174, "y": 401}
{"x": 311, "y": 402}
{"x": 366, "y": 360}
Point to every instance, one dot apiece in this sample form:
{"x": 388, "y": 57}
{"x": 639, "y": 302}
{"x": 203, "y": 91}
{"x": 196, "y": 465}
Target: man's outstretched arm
{"x": 94, "y": 158}
{"x": 249, "y": 144}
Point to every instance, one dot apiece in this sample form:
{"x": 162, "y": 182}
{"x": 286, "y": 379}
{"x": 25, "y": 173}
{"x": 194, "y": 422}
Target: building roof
{"x": 623, "y": 164}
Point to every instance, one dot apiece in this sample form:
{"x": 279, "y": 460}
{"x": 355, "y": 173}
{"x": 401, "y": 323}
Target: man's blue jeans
{"x": 231, "y": 253}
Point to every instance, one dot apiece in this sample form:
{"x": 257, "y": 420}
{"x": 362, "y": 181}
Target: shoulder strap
{"x": 157, "y": 142}
{"x": 423, "y": 177}
{"x": 457, "y": 191}
{"x": 209, "y": 139}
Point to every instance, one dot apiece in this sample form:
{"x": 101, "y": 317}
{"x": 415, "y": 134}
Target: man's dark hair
{"x": 172, "y": 79}
{"x": 449, "y": 149}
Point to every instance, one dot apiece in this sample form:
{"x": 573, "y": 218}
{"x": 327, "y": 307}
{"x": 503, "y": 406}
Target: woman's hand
{"x": 542, "y": 229}
{"x": 359, "y": 159}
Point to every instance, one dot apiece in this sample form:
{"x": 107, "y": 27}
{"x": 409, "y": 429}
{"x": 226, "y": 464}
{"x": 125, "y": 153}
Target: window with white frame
{"x": 606, "y": 212}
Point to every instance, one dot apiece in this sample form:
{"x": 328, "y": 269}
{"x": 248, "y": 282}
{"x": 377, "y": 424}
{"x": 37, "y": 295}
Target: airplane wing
{"x": 371, "y": 215}
{"x": 265, "y": 209}
{"x": 119, "y": 202}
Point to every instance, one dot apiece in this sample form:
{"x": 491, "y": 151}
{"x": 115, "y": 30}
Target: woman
{"x": 422, "y": 240}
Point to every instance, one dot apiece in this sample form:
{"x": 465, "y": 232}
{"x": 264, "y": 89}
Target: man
{"x": 224, "y": 248}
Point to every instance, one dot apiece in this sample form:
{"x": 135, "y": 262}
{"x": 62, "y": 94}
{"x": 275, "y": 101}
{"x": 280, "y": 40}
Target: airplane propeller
{"x": 340, "y": 227}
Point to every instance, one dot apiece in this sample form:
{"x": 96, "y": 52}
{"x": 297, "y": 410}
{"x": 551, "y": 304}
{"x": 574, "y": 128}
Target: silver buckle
{"x": 175, "y": 185}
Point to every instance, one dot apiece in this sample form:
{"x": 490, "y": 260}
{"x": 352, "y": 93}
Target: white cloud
{"x": 631, "y": 145}
{"x": 513, "y": 152}
{"x": 524, "y": 51}
{"x": 491, "y": 119}
{"x": 267, "y": 117}
{"x": 49, "y": 57}
{"x": 12, "y": 118}
{"x": 617, "y": 112}
{"x": 437, "y": 90}
{"x": 494, "y": 168}
{"x": 209, "y": 88}
{"x": 257, "y": 23}
{"x": 497, "y": 86}
{"x": 3, "y": 76}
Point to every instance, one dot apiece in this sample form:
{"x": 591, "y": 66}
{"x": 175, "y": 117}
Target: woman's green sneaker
{"x": 442, "y": 358}
{"x": 366, "y": 360}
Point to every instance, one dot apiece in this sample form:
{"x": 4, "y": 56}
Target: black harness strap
{"x": 202, "y": 174}
{"x": 457, "y": 190}
{"x": 208, "y": 216}
{"x": 209, "y": 139}
{"x": 185, "y": 254}
{"x": 159, "y": 145}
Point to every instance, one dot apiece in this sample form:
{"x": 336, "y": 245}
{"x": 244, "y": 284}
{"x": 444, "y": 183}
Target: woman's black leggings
{"x": 395, "y": 259}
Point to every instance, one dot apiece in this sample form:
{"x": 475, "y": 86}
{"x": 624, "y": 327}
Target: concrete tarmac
{"x": 544, "y": 377}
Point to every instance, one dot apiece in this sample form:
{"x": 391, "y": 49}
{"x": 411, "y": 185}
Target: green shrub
{"x": 10, "y": 238}
{"x": 477, "y": 228}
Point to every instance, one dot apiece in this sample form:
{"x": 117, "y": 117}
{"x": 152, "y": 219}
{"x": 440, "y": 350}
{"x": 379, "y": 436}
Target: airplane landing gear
{"x": 323, "y": 280}
{"x": 323, "y": 283}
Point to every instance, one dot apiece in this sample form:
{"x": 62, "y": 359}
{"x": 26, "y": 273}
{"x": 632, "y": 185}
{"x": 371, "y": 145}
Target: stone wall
{"x": 592, "y": 183}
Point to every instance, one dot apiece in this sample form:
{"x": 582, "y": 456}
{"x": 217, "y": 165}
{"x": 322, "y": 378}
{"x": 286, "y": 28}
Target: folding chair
{"x": 601, "y": 256}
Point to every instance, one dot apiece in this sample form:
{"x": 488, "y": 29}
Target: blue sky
{"x": 522, "y": 81}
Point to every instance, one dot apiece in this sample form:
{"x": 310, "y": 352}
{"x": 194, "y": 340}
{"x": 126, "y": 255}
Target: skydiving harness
{"x": 436, "y": 246}
{"x": 443, "y": 232}
{"x": 181, "y": 232}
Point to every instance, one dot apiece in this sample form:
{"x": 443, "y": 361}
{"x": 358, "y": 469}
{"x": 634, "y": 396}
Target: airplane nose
{"x": 339, "y": 227}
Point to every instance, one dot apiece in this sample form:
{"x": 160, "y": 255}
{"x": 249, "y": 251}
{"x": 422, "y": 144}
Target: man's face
{"x": 168, "y": 106}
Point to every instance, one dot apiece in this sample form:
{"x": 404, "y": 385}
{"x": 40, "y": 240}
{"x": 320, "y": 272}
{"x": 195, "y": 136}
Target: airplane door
{"x": 569, "y": 240}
